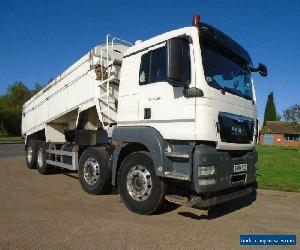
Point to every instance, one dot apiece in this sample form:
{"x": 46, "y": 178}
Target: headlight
{"x": 206, "y": 171}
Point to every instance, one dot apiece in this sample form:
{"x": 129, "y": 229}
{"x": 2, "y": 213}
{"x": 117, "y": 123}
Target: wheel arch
{"x": 133, "y": 139}
{"x": 36, "y": 136}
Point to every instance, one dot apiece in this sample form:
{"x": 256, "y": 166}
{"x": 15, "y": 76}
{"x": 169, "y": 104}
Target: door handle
{"x": 147, "y": 113}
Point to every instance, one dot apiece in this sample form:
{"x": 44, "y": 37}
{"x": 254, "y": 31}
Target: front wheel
{"x": 141, "y": 190}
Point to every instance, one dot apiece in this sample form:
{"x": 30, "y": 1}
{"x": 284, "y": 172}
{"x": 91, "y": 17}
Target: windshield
{"x": 225, "y": 70}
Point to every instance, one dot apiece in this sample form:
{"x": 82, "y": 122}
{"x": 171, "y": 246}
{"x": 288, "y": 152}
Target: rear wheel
{"x": 42, "y": 166}
{"x": 31, "y": 154}
{"x": 142, "y": 191}
{"x": 94, "y": 172}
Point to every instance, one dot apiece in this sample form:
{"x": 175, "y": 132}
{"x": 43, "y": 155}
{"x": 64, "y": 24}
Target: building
{"x": 280, "y": 133}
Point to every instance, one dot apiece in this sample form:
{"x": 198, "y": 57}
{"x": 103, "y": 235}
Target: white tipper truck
{"x": 175, "y": 112}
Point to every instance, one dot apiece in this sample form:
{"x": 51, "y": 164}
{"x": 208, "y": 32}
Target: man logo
{"x": 238, "y": 131}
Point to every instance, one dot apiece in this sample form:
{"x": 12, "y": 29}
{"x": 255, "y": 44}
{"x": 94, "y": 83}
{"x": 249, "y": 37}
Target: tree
{"x": 3, "y": 131}
{"x": 270, "y": 110}
{"x": 292, "y": 113}
{"x": 11, "y": 106}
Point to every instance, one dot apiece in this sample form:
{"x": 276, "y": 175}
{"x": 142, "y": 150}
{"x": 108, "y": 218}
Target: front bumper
{"x": 200, "y": 202}
{"x": 224, "y": 177}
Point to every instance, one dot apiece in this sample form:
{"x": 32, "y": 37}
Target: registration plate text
{"x": 240, "y": 167}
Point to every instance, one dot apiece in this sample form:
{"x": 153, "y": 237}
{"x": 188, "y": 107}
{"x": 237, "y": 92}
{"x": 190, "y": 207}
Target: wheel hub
{"x": 29, "y": 154}
{"x": 40, "y": 158}
{"x": 139, "y": 183}
{"x": 91, "y": 171}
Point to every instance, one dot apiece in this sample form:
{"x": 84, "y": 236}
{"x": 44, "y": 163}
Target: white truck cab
{"x": 181, "y": 113}
{"x": 172, "y": 111}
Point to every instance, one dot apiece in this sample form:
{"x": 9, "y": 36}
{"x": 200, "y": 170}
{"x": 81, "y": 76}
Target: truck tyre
{"x": 31, "y": 154}
{"x": 94, "y": 172}
{"x": 42, "y": 166}
{"x": 141, "y": 190}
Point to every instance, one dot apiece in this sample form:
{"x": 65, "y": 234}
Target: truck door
{"x": 162, "y": 105}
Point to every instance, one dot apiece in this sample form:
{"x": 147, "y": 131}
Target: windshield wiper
{"x": 229, "y": 90}
{"x": 234, "y": 92}
{"x": 224, "y": 89}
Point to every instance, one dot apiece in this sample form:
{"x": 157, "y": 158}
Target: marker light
{"x": 196, "y": 20}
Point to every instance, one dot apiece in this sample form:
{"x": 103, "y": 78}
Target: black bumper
{"x": 199, "y": 202}
{"x": 224, "y": 177}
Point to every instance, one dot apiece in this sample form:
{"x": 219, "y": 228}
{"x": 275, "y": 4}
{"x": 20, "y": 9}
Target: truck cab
{"x": 191, "y": 89}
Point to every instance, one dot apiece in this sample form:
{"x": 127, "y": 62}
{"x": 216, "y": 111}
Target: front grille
{"x": 235, "y": 128}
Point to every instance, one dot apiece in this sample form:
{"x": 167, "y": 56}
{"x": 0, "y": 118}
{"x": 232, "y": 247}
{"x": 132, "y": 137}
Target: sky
{"x": 40, "y": 39}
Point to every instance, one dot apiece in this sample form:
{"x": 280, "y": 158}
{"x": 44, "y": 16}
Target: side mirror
{"x": 175, "y": 61}
{"x": 262, "y": 69}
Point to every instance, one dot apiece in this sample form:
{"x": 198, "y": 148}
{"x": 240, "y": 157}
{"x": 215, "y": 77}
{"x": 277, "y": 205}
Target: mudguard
{"x": 147, "y": 136}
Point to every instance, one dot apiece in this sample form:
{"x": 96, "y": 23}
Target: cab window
{"x": 153, "y": 66}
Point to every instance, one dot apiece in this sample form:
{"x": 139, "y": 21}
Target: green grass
{"x": 278, "y": 168}
{"x": 10, "y": 138}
